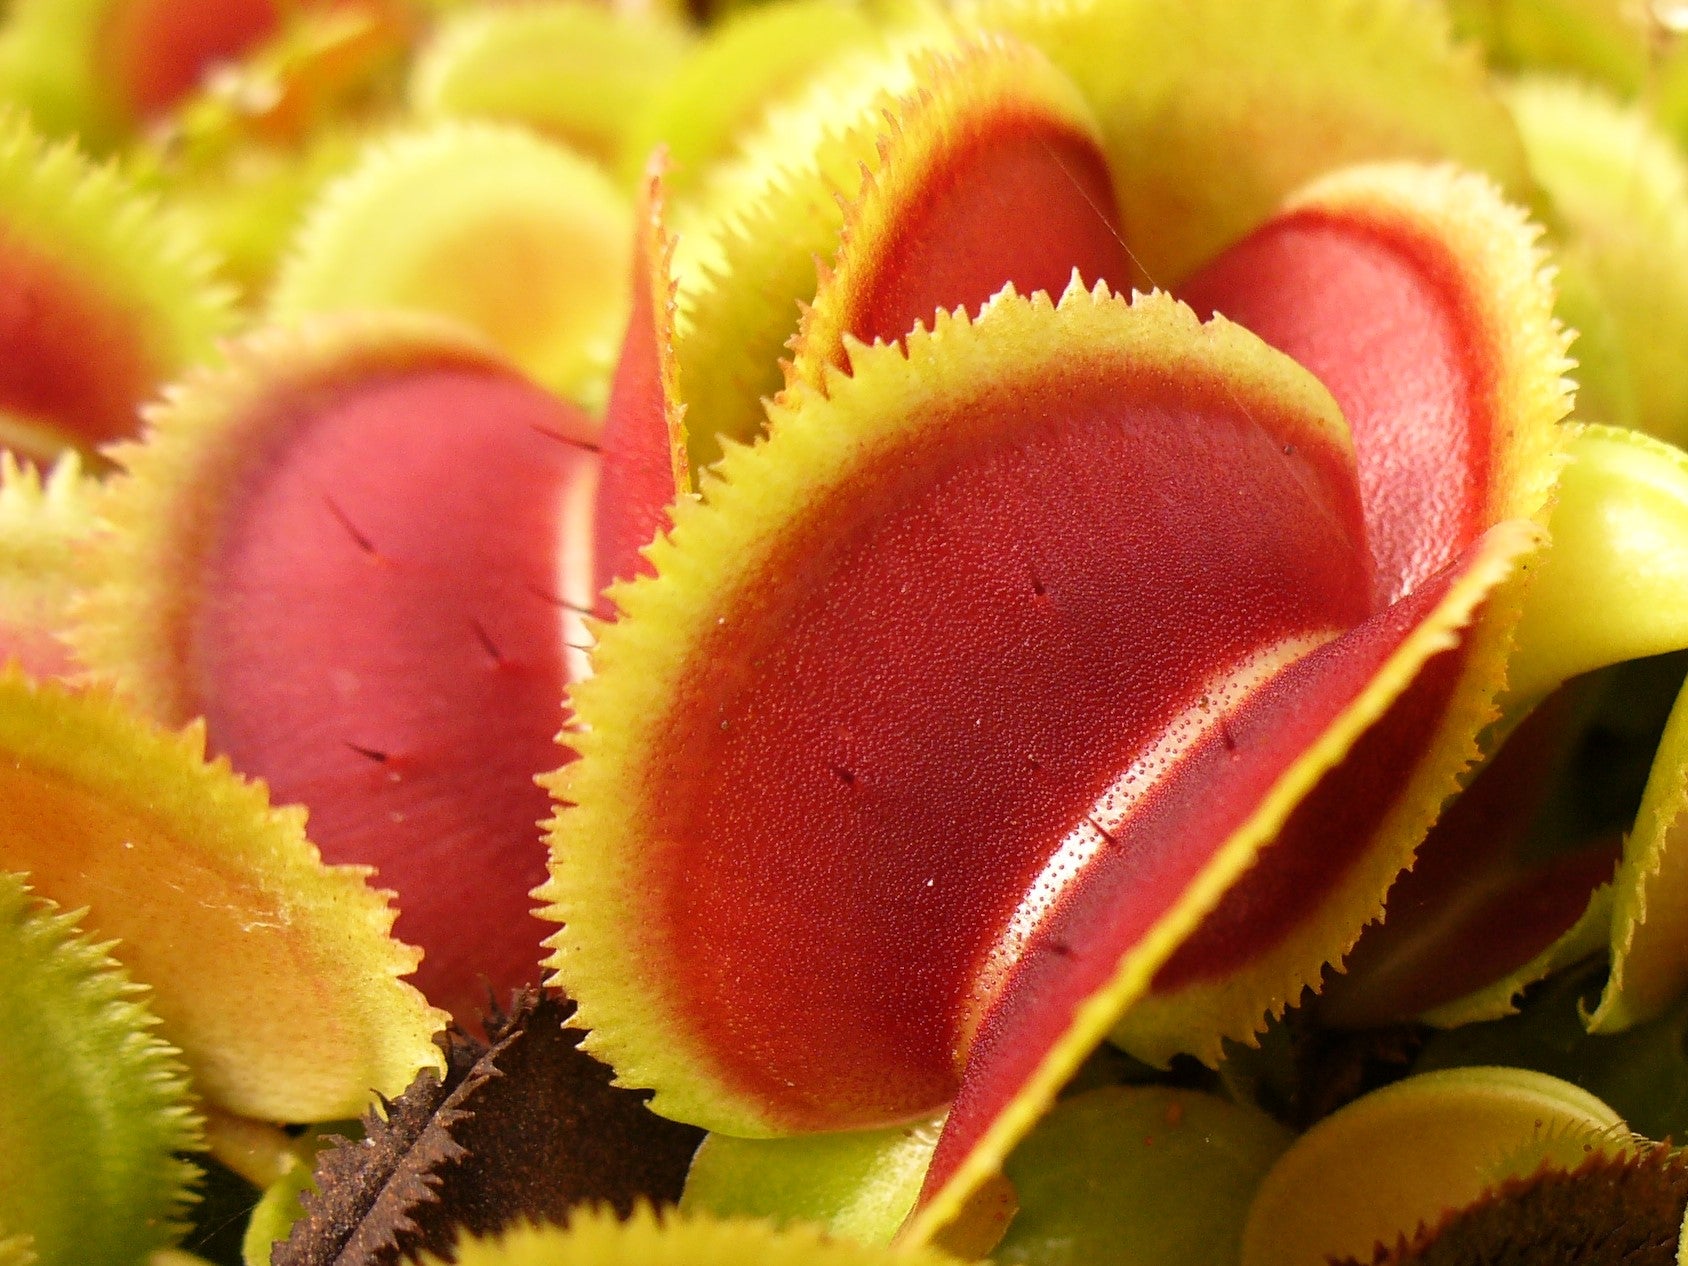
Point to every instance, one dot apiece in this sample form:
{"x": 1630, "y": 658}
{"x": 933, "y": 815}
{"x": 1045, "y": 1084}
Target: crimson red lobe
{"x": 938, "y": 685}
{"x": 1153, "y": 857}
{"x": 1024, "y": 200}
{"x": 381, "y": 638}
{"x": 1479, "y": 902}
{"x": 643, "y": 456}
{"x": 1380, "y": 313}
{"x": 71, "y": 357}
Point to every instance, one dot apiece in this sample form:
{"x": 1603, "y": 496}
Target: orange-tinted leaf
{"x": 274, "y": 974}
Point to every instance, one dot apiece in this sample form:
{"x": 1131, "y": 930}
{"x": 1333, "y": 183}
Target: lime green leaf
{"x": 1610, "y": 41}
{"x": 858, "y": 1185}
{"x": 1648, "y": 933}
{"x": 1619, "y": 530}
{"x": 1138, "y": 1176}
{"x": 280, "y": 1206}
{"x": 96, "y": 1106}
{"x": 1620, "y": 188}
{"x": 723, "y": 90}
{"x": 576, "y": 72}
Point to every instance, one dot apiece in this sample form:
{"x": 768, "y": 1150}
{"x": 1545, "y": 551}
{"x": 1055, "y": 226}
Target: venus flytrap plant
{"x": 321, "y": 64}
{"x": 646, "y": 460}
{"x": 591, "y": 1239}
{"x": 1169, "y": 1172}
{"x": 319, "y": 503}
{"x": 1494, "y": 904}
{"x": 1030, "y": 669}
{"x": 92, "y": 264}
{"x": 100, "y": 69}
{"x": 909, "y": 277}
{"x": 248, "y": 152}
{"x": 1263, "y": 263}
{"x": 1619, "y": 1209}
{"x": 272, "y": 976}
{"x": 1214, "y": 113}
{"x": 751, "y": 242}
{"x": 1486, "y": 910}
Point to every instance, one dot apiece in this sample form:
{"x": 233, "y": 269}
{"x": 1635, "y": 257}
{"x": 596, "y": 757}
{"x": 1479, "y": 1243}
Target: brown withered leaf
{"x": 523, "y": 1127}
{"x": 1613, "y": 1210}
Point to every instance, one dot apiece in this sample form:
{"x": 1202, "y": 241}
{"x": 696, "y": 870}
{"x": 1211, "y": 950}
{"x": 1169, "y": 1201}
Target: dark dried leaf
{"x": 1301, "y": 1073}
{"x": 1611, "y": 1211}
{"x": 524, "y": 1127}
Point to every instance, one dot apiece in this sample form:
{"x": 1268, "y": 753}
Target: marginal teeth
{"x": 516, "y": 236}
{"x": 46, "y": 523}
{"x": 354, "y": 550}
{"x": 123, "y": 299}
{"x": 1188, "y": 90}
{"x": 698, "y": 664}
{"x": 750, "y": 245}
{"x": 670, "y": 1238}
{"x": 98, "y": 1107}
{"x": 734, "y": 94}
{"x": 1444, "y": 1139}
{"x": 994, "y": 140}
{"x": 217, "y": 901}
